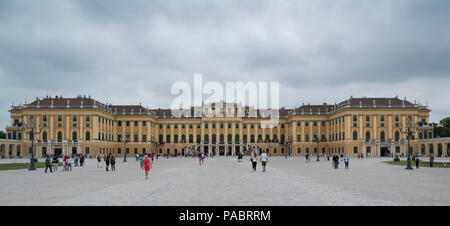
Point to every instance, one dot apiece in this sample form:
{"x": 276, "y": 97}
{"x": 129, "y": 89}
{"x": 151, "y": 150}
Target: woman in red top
{"x": 147, "y": 166}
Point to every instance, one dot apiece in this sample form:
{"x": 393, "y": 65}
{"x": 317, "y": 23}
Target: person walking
{"x": 48, "y": 164}
{"x": 152, "y": 156}
{"x": 417, "y": 162}
{"x": 264, "y": 160}
{"x": 431, "y": 160}
{"x": 141, "y": 161}
{"x": 254, "y": 160}
{"x": 65, "y": 163}
{"x": 69, "y": 163}
{"x": 55, "y": 162}
{"x": 81, "y": 160}
{"x": 200, "y": 157}
{"x": 137, "y": 157}
{"x": 75, "y": 161}
{"x": 107, "y": 161}
{"x": 147, "y": 166}
{"x": 113, "y": 163}
{"x": 346, "y": 161}
{"x": 336, "y": 161}
{"x": 99, "y": 162}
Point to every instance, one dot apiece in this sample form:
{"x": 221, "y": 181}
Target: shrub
{"x": 35, "y": 160}
{"x": 396, "y": 159}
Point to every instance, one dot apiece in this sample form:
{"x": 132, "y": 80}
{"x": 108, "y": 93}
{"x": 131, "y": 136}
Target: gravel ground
{"x": 224, "y": 181}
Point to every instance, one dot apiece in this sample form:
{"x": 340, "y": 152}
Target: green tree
{"x": 2, "y": 135}
{"x": 444, "y": 125}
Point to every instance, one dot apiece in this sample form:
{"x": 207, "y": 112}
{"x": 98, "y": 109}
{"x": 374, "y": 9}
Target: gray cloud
{"x": 130, "y": 52}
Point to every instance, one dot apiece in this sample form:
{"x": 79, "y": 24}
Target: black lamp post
{"x": 409, "y": 129}
{"x": 127, "y": 140}
{"x": 32, "y": 133}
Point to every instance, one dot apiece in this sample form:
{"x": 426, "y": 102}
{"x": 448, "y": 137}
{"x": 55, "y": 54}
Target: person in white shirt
{"x": 254, "y": 160}
{"x": 69, "y": 163}
{"x": 264, "y": 160}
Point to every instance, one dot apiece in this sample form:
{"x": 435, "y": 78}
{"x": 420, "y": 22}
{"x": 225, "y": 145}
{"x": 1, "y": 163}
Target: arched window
{"x": 260, "y": 138}
{"x": 397, "y": 136}
{"x": 183, "y": 138}
{"x": 367, "y": 136}
{"x": 191, "y": 138}
{"x": 214, "y": 138}
{"x": 74, "y": 136}
{"x": 236, "y": 138}
{"x": 44, "y": 136}
{"x": 60, "y": 136}
{"x": 382, "y": 136}
{"x": 282, "y": 138}
{"x": 252, "y": 138}
{"x": 175, "y": 138}
{"x": 206, "y": 138}
{"x": 230, "y": 138}
{"x": 161, "y": 138}
{"x": 420, "y": 135}
{"x": 88, "y": 135}
{"x": 275, "y": 138}
{"x": 168, "y": 138}
{"x": 267, "y": 138}
{"x": 244, "y": 138}
{"x": 222, "y": 138}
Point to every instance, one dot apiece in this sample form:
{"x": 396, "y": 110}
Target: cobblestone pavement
{"x": 224, "y": 181}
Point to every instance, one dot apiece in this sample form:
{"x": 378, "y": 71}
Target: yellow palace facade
{"x": 368, "y": 126}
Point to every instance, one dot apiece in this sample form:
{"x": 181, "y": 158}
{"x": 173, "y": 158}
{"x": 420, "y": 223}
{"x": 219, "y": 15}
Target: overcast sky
{"x": 131, "y": 52}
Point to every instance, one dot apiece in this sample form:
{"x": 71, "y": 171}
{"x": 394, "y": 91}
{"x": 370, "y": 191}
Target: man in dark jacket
{"x": 48, "y": 164}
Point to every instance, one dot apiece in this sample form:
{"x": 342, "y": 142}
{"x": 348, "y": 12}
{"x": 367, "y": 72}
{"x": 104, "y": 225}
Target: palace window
{"x": 355, "y": 149}
{"x": 397, "y": 136}
{"x": 44, "y": 136}
{"x": 367, "y": 136}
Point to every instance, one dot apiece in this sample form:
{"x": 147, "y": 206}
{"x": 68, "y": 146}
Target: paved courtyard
{"x": 224, "y": 181}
